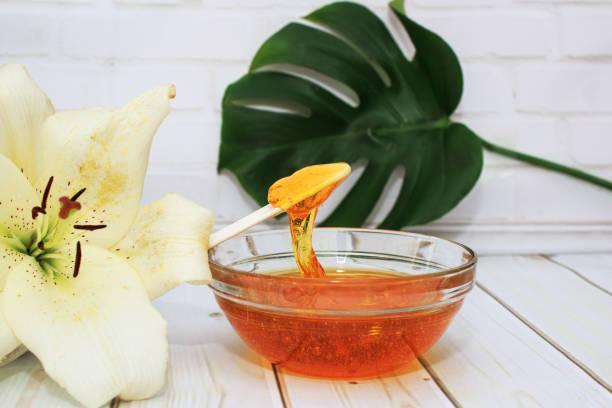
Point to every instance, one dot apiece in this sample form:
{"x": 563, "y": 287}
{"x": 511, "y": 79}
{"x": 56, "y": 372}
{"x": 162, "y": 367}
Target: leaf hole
{"x": 275, "y": 106}
{"x": 387, "y": 198}
{"x": 380, "y": 71}
{"x": 400, "y": 35}
{"x": 340, "y": 90}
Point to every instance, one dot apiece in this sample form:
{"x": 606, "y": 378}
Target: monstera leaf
{"x": 282, "y": 116}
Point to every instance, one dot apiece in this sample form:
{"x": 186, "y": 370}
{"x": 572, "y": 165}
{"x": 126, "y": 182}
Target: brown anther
{"x": 67, "y": 206}
{"x": 41, "y": 246}
{"x": 37, "y": 210}
{"x": 78, "y": 194}
{"x": 43, "y": 207}
{"x": 46, "y": 193}
{"x": 89, "y": 227}
{"x": 77, "y": 261}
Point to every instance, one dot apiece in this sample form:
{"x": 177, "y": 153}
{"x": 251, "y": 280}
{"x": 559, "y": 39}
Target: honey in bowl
{"x": 338, "y": 345}
{"x": 372, "y": 302}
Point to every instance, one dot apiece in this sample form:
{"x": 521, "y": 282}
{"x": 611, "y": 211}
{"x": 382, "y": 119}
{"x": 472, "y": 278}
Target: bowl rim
{"x": 448, "y": 271}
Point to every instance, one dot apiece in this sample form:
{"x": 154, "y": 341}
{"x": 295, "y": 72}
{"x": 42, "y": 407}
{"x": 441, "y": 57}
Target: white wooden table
{"x": 536, "y": 331}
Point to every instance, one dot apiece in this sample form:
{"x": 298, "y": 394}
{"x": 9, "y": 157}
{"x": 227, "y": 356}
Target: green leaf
{"x": 395, "y": 112}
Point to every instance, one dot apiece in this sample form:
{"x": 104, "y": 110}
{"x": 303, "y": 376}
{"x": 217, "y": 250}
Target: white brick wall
{"x": 518, "y": 32}
{"x": 565, "y": 88}
{"x": 538, "y": 78}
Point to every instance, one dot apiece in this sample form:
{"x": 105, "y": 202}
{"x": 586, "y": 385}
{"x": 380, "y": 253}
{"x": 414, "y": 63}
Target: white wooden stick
{"x": 243, "y": 224}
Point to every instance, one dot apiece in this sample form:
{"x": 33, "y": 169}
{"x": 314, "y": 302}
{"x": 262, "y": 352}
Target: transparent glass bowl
{"x": 342, "y": 326}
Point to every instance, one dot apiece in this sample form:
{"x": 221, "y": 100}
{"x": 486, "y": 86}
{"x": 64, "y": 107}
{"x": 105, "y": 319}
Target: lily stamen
{"x": 77, "y": 261}
{"x": 78, "y": 194}
{"x": 43, "y": 207}
{"x": 68, "y": 205}
{"x": 37, "y": 210}
{"x": 89, "y": 227}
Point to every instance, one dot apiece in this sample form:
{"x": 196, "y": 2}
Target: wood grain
{"x": 569, "y": 311}
{"x": 413, "y": 388}
{"x": 489, "y": 358}
{"x": 595, "y": 268}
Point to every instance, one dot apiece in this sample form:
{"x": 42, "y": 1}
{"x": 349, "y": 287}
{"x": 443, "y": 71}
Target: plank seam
{"x": 434, "y": 376}
{"x": 578, "y": 274}
{"x": 281, "y": 388}
{"x": 548, "y": 339}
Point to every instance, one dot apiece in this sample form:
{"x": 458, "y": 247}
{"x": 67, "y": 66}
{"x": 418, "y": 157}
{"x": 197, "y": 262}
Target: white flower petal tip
{"x": 168, "y": 244}
{"x": 23, "y": 109}
{"x": 97, "y": 335}
{"x": 106, "y": 152}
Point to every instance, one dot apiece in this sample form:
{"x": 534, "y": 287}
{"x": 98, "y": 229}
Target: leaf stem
{"x": 536, "y": 161}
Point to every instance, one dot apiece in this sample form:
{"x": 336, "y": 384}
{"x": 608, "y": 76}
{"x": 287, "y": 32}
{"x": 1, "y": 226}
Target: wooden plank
{"x": 190, "y": 382}
{"x": 413, "y": 388}
{"x": 489, "y": 358}
{"x": 573, "y": 314}
{"x": 210, "y": 364}
{"x": 24, "y": 384}
{"x": 595, "y": 268}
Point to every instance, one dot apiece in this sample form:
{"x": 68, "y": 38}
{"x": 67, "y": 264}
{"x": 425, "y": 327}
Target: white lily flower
{"x": 79, "y": 259}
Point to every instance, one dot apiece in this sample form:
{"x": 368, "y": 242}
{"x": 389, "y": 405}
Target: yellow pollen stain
{"x": 113, "y": 179}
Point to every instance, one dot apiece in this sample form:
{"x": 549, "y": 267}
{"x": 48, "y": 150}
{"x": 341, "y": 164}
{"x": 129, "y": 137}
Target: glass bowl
{"x": 388, "y": 298}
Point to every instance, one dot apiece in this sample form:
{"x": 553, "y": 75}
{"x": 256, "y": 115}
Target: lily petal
{"x": 10, "y": 346}
{"x": 96, "y": 335}
{"x": 17, "y": 198}
{"x": 168, "y": 244}
{"x": 8, "y": 341}
{"x": 23, "y": 109}
{"x": 105, "y": 151}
